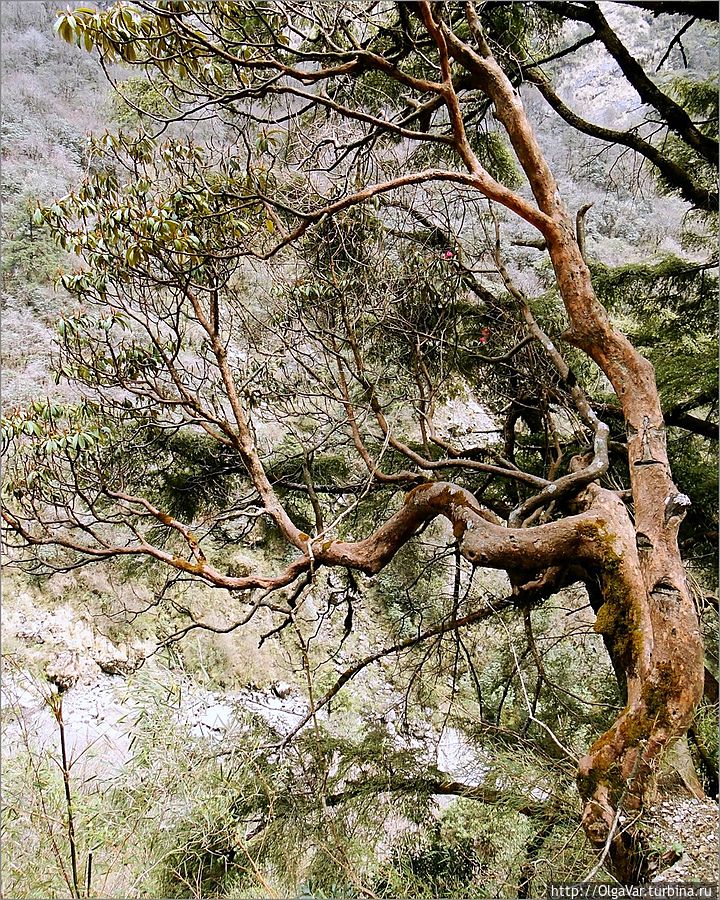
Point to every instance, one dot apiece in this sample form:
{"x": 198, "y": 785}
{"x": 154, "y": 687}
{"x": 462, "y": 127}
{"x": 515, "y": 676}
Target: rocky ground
{"x": 59, "y": 648}
{"x": 46, "y": 648}
{"x": 685, "y": 829}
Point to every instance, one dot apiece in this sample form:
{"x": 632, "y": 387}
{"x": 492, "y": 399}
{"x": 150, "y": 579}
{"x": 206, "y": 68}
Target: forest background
{"x": 144, "y": 748}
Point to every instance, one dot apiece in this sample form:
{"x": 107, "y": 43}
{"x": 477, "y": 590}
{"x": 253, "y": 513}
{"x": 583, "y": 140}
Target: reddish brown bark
{"x": 648, "y": 612}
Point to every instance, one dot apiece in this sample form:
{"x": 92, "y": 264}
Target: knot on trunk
{"x": 597, "y": 820}
{"x": 676, "y": 506}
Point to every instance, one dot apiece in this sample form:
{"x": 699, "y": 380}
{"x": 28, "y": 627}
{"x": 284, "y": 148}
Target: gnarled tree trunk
{"x": 648, "y": 616}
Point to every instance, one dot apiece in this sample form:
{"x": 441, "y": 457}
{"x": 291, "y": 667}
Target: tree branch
{"x": 670, "y": 170}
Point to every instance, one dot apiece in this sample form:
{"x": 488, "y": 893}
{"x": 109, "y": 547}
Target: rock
{"x": 458, "y": 758}
{"x": 66, "y": 670}
{"x": 119, "y": 666}
{"x": 216, "y": 717}
{"x": 114, "y": 660}
{"x": 684, "y": 830}
{"x": 281, "y": 689}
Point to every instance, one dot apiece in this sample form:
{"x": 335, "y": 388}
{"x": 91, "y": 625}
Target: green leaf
{"x": 31, "y": 428}
{"x": 65, "y": 27}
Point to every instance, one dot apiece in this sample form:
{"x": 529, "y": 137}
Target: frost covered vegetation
{"x": 354, "y": 547}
